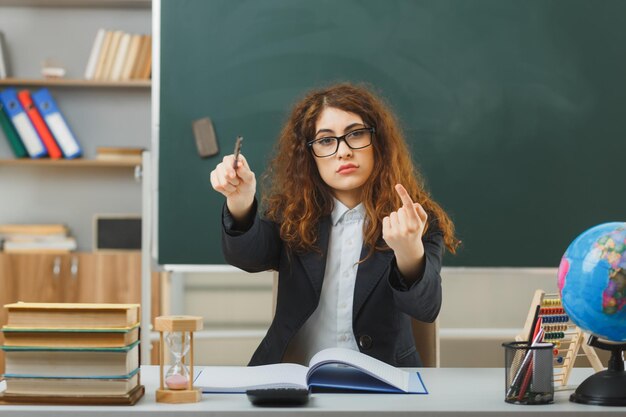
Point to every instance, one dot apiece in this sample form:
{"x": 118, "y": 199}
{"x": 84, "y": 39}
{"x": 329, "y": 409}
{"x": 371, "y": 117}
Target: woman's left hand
{"x": 403, "y": 230}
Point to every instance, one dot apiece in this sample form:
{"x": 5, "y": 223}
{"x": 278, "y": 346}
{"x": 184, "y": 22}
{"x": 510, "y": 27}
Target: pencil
{"x": 237, "y": 151}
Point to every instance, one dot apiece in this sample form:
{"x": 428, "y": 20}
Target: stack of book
{"x": 119, "y": 56}
{"x": 119, "y": 154}
{"x": 34, "y": 126}
{"x": 46, "y": 238}
{"x": 72, "y": 353}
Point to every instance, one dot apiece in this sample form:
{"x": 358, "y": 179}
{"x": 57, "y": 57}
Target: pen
{"x": 517, "y": 380}
{"x": 237, "y": 150}
{"x": 533, "y": 330}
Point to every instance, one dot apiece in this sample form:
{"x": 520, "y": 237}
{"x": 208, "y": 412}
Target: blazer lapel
{"x": 315, "y": 264}
{"x": 368, "y": 275}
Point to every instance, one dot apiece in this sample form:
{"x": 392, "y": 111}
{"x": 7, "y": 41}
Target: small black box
{"x": 117, "y": 232}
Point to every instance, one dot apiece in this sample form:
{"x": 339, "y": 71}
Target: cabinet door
{"x": 79, "y": 268}
{"x": 38, "y": 277}
{"x": 109, "y": 277}
{"x": 101, "y": 277}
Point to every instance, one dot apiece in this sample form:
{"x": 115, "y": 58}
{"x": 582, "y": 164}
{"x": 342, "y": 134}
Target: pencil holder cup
{"x": 528, "y": 370}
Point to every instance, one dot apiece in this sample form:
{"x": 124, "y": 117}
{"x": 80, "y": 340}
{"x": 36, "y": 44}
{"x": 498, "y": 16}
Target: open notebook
{"x": 330, "y": 370}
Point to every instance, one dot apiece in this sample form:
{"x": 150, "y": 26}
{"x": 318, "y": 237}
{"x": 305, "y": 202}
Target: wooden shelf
{"x": 62, "y": 82}
{"x": 69, "y": 163}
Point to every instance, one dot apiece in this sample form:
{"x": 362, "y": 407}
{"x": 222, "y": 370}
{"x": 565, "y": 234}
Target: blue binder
{"x": 56, "y": 123}
{"x": 29, "y": 136}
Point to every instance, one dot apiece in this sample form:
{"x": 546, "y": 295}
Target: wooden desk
{"x": 453, "y": 391}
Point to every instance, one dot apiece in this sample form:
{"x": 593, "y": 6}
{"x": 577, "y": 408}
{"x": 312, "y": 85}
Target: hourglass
{"x": 176, "y": 383}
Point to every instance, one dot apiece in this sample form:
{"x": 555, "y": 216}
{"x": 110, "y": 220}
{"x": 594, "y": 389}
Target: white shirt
{"x": 330, "y": 325}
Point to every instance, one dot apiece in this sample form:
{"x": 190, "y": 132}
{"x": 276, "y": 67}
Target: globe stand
{"x": 606, "y": 387}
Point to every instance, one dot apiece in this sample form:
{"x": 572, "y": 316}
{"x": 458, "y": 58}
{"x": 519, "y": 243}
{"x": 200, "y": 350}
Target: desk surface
{"x": 453, "y": 391}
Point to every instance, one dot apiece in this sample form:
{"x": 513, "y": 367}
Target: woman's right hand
{"x": 238, "y": 186}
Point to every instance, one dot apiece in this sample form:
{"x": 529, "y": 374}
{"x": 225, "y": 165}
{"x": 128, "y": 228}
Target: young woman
{"x": 347, "y": 223}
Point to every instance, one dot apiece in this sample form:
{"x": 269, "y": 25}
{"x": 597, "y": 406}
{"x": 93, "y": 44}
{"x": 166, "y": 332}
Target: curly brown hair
{"x": 295, "y": 195}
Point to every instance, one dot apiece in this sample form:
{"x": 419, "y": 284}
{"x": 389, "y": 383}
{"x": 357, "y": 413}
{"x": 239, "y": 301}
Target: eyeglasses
{"x": 328, "y": 146}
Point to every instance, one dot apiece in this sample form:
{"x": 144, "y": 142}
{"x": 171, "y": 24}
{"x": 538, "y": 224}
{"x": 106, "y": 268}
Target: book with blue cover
{"x": 57, "y": 124}
{"x": 330, "y": 370}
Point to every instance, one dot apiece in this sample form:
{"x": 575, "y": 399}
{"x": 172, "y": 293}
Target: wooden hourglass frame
{"x": 177, "y": 324}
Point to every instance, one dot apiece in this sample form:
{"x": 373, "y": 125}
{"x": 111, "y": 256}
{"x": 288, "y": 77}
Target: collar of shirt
{"x": 342, "y": 213}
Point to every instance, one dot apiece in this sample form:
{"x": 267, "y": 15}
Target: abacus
{"x": 559, "y": 330}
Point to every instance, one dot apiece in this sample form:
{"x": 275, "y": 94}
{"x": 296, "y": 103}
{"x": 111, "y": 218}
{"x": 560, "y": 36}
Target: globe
{"x": 592, "y": 281}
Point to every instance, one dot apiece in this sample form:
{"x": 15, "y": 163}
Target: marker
{"x": 237, "y": 150}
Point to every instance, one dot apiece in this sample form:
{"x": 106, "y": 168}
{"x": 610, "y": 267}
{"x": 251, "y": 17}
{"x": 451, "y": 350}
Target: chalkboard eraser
{"x": 204, "y": 134}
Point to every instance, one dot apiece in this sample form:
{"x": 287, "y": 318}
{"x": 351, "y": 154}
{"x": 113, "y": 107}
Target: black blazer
{"x": 382, "y": 306}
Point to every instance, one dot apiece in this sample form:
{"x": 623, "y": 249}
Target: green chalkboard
{"x": 515, "y": 110}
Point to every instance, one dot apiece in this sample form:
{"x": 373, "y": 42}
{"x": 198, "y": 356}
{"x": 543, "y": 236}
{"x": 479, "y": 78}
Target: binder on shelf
{"x": 57, "y": 124}
{"x": 90, "y": 71}
{"x": 12, "y": 136}
{"x": 33, "y": 144}
{"x": 40, "y": 125}
{"x": 4, "y": 71}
